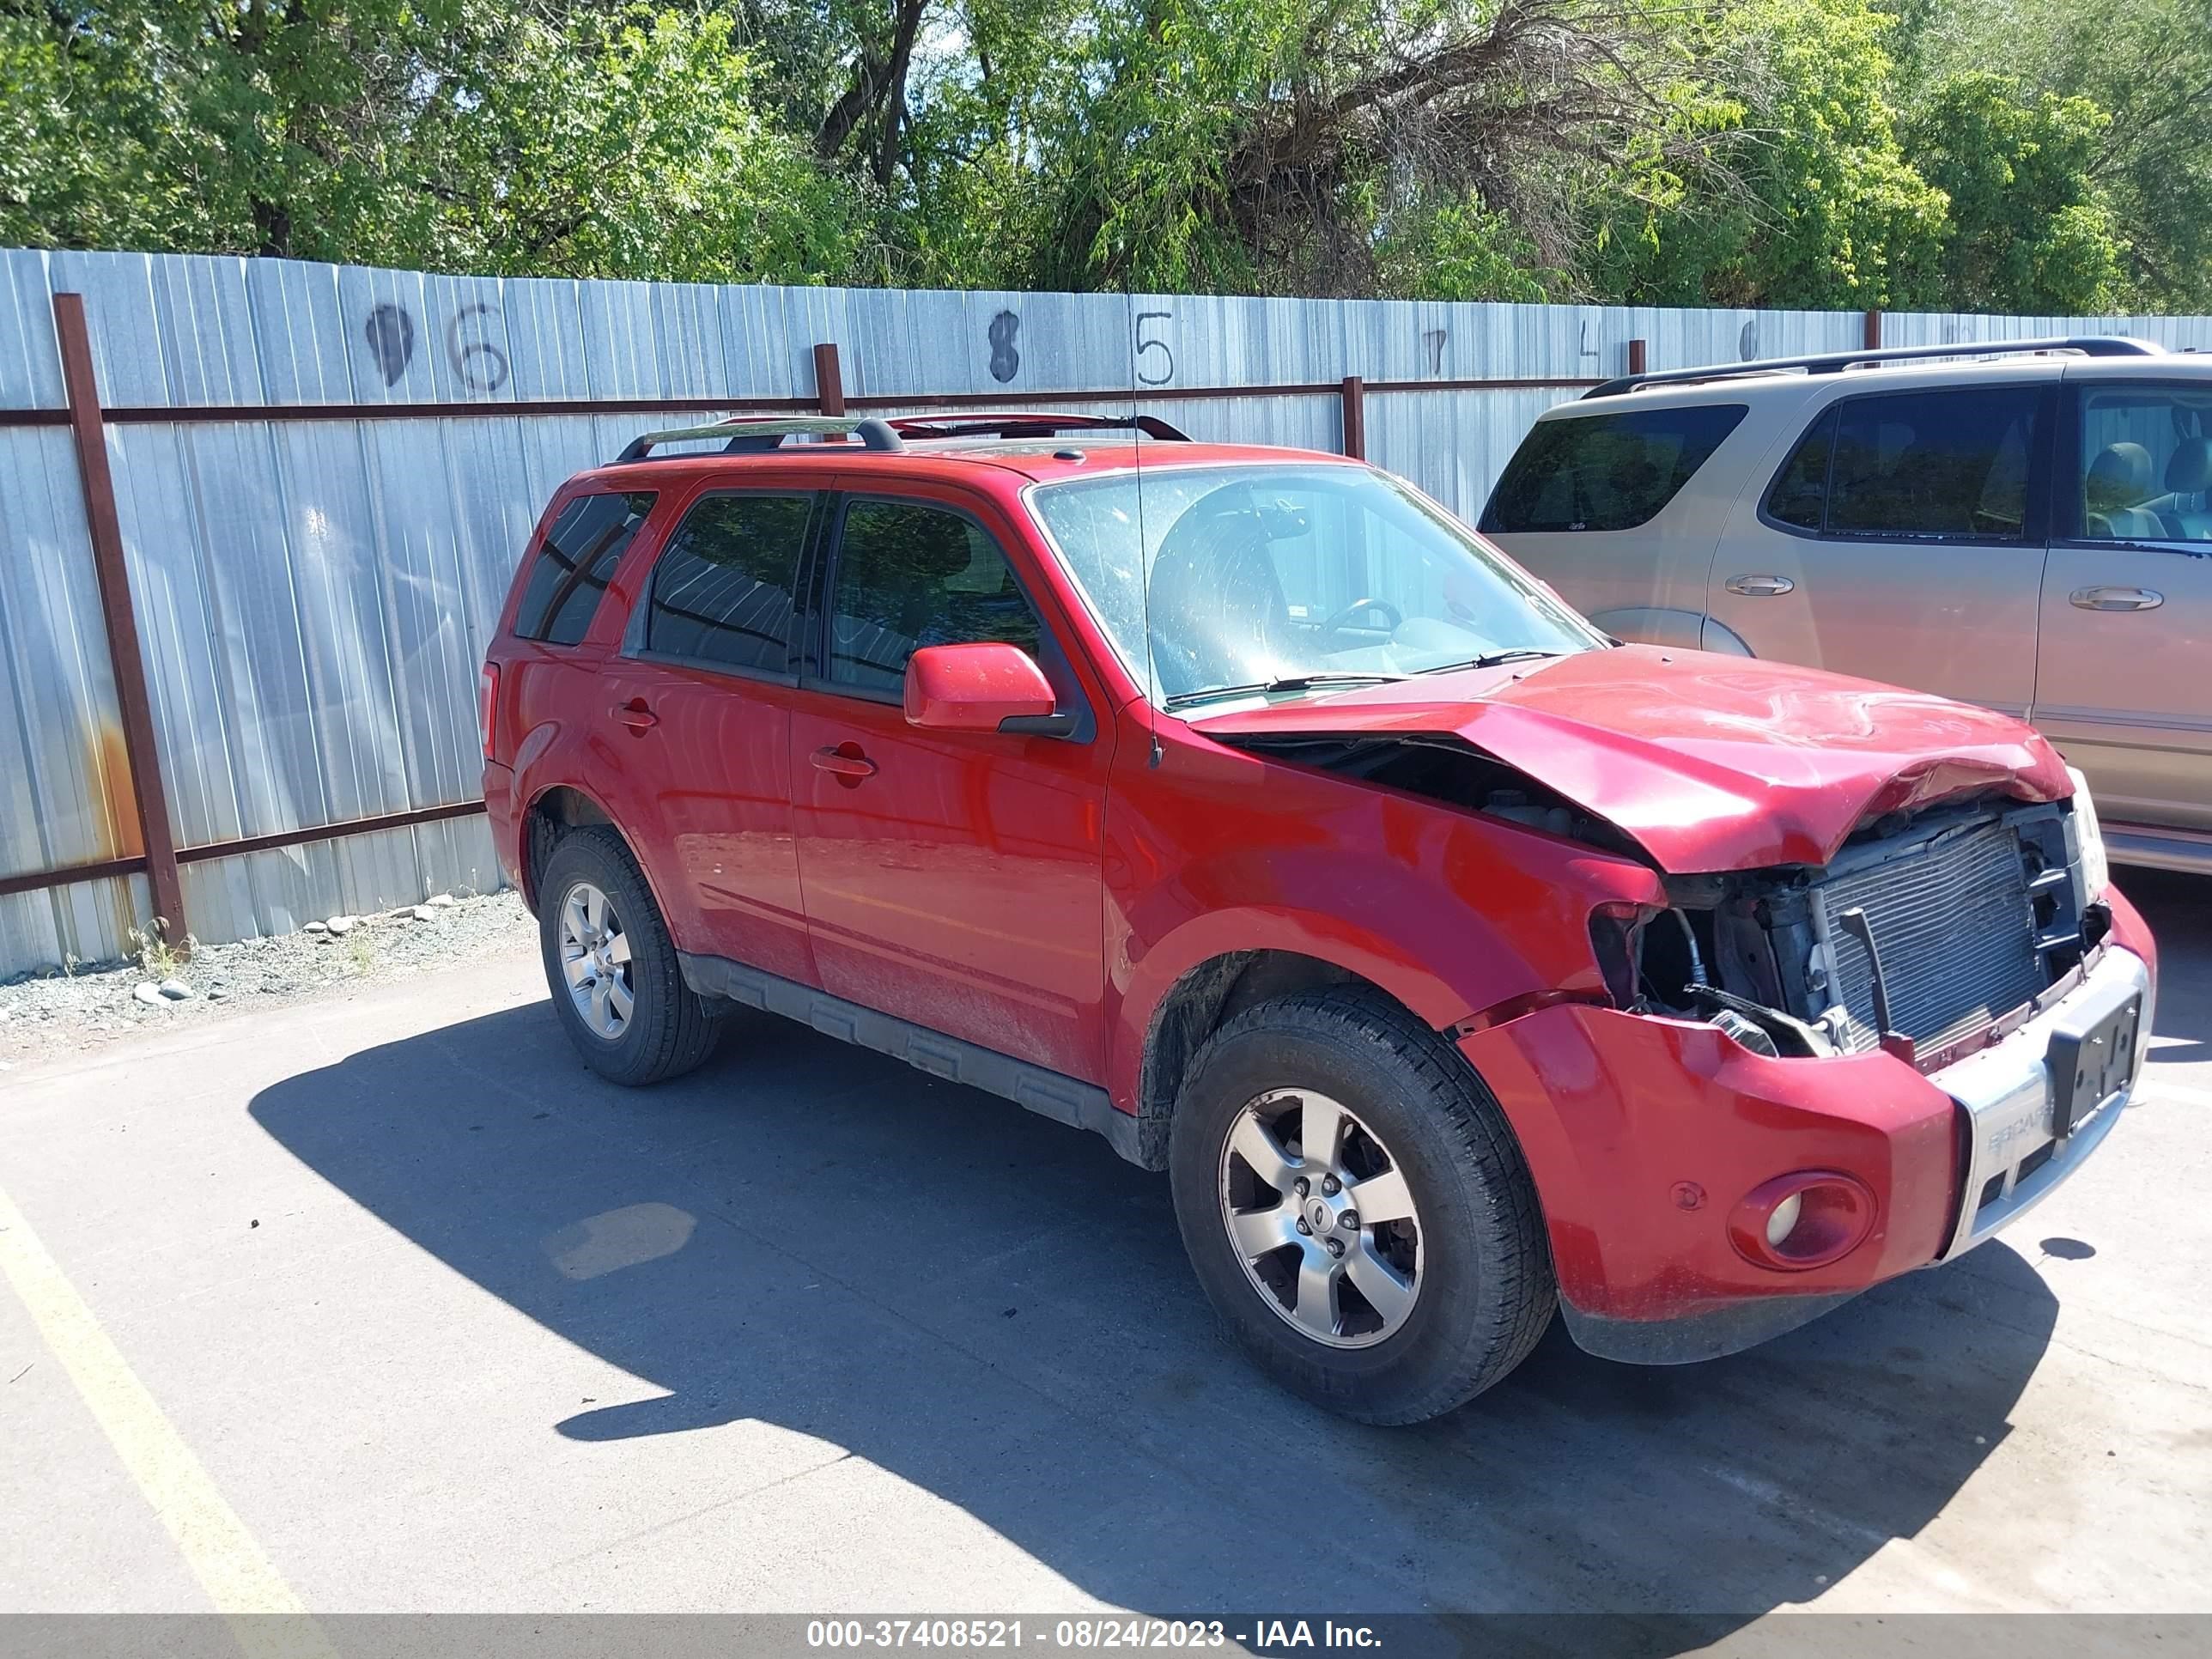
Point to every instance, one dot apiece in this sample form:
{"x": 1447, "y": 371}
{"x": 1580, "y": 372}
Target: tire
{"x": 1468, "y": 1288}
{"x": 667, "y": 1028}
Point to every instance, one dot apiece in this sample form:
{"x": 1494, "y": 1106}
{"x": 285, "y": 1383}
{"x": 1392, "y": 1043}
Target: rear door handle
{"x": 1759, "y": 587}
{"x": 2116, "y": 598}
{"x": 846, "y": 760}
{"x": 635, "y": 715}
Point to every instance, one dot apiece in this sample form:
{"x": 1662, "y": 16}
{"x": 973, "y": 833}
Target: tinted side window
{"x": 908, "y": 575}
{"x": 1933, "y": 464}
{"x": 1605, "y": 472}
{"x": 1800, "y": 496}
{"x": 573, "y": 565}
{"x": 721, "y": 591}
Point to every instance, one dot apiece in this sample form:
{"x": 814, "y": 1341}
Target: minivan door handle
{"x": 635, "y": 715}
{"x": 2116, "y": 598}
{"x": 1759, "y": 587}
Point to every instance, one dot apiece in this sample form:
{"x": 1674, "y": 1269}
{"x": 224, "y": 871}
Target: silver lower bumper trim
{"x": 2014, "y": 1161}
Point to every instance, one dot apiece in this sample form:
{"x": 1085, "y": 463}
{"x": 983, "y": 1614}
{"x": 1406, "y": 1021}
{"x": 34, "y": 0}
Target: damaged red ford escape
{"x": 1456, "y": 964}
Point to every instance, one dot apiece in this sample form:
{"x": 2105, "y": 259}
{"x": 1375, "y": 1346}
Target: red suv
{"x": 1456, "y": 962}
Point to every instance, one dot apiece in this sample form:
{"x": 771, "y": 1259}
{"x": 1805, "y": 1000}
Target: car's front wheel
{"x": 612, "y": 966}
{"x": 1356, "y": 1208}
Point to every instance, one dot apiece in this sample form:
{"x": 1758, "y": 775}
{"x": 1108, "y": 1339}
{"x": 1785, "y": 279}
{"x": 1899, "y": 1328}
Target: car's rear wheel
{"x": 1356, "y": 1208}
{"x": 611, "y": 967}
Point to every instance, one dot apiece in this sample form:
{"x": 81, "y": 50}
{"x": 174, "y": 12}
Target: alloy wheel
{"x": 1318, "y": 1212}
{"x": 595, "y": 960}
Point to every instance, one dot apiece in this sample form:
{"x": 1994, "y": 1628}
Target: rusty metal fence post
{"x": 828, "y": 379}
{"x": 1355, "y": 417}
{"x": 89, "y": 427}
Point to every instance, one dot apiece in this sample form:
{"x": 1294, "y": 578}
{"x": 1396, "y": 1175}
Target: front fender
{"x": 1215, "y": 851}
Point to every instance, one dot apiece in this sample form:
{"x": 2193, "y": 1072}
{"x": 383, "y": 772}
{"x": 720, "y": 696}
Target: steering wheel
{"x": 1360, "y": 607}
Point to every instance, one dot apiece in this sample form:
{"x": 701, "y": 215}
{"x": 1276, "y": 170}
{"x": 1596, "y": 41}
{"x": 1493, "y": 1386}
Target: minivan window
{"x": 721, "y": 591}
{"x": 2145, "y": 465}
{"x": 1949, "y": 465}
{"x": 575, "y": 563}
{"x": 1605, "y": 472}
{"x": 1800, "y": 496}
{"x": 908, "y": 575}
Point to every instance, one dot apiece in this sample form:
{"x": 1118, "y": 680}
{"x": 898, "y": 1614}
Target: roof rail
{"x": 759, "y": 437}
{"x": 1834, "y": 362}
{"x": 1029, "y": 423}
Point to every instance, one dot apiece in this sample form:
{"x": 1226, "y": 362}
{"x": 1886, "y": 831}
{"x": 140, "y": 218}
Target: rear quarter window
{"x": 569, "y": 572}
{"x": 1606, "y": 471}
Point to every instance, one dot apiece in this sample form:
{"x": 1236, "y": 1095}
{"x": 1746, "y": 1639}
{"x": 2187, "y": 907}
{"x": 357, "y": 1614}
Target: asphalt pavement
{"x": 384, "y": 1302}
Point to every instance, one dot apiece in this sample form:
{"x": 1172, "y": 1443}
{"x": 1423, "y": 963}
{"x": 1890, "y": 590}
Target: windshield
{"x": 1273, "y": 573}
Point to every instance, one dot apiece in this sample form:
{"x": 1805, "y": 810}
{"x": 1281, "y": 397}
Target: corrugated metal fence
{"x": 322, "y": 477}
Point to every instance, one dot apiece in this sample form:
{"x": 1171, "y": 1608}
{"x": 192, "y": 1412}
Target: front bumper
{"x": 2006, "y": 1096}
{"x": 1644, "y": 1134}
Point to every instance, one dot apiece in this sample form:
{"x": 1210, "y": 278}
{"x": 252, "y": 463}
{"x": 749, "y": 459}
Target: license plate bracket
{"x": 2090, "y": 1063}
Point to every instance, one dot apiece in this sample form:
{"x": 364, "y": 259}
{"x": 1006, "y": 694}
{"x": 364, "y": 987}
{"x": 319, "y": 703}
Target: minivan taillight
{"x": 487, "y": 700}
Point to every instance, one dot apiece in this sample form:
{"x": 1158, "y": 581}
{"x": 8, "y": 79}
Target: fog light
{"x": 1781, "y": 1220}
{"x": 1804, "y": 1220}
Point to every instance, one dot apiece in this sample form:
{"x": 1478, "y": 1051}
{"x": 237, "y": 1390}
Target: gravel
{"x": 54, "y": 1012}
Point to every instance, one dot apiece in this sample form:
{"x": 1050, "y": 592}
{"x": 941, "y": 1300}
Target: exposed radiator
{"x": 1955, "y": 929}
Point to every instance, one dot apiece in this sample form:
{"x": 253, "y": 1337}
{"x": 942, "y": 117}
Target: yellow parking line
{"x": 231, "y": 1567}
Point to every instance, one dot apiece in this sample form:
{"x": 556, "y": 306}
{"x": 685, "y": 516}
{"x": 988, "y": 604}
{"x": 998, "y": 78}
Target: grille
{"x": 1955, "y": 929}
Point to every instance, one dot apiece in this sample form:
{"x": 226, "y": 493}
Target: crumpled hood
{"x": 1711, "y": 762}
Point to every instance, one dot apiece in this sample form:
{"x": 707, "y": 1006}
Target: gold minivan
{"x": 2030, "y": 530}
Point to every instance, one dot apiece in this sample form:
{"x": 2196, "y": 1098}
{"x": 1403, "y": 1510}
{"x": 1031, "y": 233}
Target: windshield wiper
{"x": 1493, "y": 659}
{"x": 1288, "y": 682}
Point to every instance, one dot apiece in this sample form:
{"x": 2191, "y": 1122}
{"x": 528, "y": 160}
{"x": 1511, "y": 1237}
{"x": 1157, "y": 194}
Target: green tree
{"x": 592, "y": 141}
{"x": 1742, "y": 152}
{"x": 1817, "y": 205}
{"x": 1461, "y": 250}
{"x": 2027, "y": 232}
{"x": 628, "y": 144}
{"x": 1279, "y": 144}
{"x": 2148, "y": 64}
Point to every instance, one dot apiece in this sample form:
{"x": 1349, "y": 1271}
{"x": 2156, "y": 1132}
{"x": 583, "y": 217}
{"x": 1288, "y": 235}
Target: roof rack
{"x": 749, "y": 437}
{"x": 1030, "y": 423}
{"x": 1835, "y": 362}
{"x": 759, "y": 437}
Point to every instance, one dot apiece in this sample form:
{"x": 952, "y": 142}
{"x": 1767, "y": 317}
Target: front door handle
{"x": 636, "y": 716}
{"x": 2116, "y": 598}
{"x": 1760, "y": 587}
{"x": 845, "y": 761}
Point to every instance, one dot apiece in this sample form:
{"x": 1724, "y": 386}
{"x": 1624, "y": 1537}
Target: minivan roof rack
{"x": 1834, "y": 362}
{"x": 759, "y": 437}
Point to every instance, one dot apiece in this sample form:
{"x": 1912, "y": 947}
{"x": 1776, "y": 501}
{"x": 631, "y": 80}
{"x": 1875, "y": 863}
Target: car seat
{"x": 2119, "y": 483}
{"x": 1218, "y": 616}
{"x": 2189, "y": 475}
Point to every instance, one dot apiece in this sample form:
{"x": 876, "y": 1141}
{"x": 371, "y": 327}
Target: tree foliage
{"x": 1809, "y": 153}
{"x": 2146, "y": 65}
{"x": 1820, "y": 205}
{"x": 2026, "y": 230}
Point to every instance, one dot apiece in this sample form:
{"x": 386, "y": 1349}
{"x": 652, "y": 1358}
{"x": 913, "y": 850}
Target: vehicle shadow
{"x": 2179, "y": 909}
{"x": 996, "y": 1308}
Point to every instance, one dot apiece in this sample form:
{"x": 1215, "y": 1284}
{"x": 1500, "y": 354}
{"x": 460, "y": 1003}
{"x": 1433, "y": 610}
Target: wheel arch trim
{"x": 588, "y": 812}
{"x": 1147, "y": 1074}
